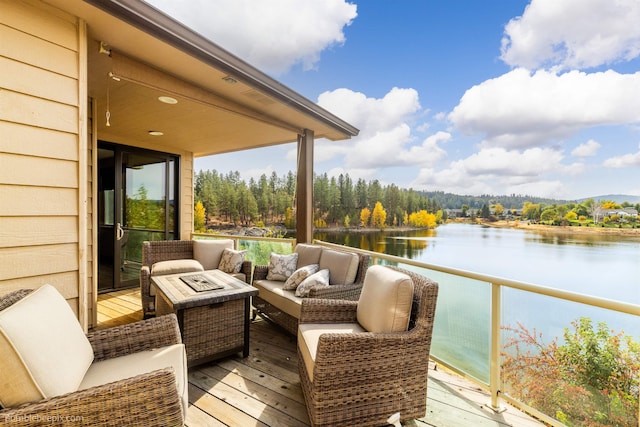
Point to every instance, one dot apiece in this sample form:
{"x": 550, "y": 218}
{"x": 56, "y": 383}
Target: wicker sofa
{"x": 182, "y": 256}
{"x": 282, "y": 306}
{"x": 55, "y": 375}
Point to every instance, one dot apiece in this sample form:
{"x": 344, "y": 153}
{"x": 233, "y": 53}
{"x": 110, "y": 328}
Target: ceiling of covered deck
{"x": 222, "y": 107}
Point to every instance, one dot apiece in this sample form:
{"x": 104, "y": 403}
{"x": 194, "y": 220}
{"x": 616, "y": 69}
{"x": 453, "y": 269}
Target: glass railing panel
{"x": 573, "y": 362}
{"x": 258, "y": 248}
{"x": 258, "y": 251}
{"x": 461, "y": 331}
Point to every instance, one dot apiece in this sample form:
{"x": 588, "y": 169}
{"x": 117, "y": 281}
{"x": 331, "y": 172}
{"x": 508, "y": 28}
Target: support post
{"x": 494, "y": 368}
{"x": 304, "y": 188}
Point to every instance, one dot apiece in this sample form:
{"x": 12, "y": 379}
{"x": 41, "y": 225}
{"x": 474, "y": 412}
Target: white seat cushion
{"x": 343, "y": 266}
{"x": 176, "y": 266}
{"x": 209, "y": 252}
{"x": 309, "y": 335}
{"x": 385, "y": 301}
{"x": 43, "y": 350}
{"x": 120, "y": 368}
{"x": 271, "y": 291}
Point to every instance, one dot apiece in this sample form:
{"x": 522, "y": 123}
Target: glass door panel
{"x": 140, "y": 207}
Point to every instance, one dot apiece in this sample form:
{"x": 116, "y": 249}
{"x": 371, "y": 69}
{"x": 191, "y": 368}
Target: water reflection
{"x": 408, "y": 244}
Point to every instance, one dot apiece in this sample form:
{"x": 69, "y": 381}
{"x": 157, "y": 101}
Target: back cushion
{"x": 209, "y": 252}
{"x": 343, "y": 266}
{"x": 308, "y": 254}
{"x": 43, "y": 351}
{"x": 385, "y": 301}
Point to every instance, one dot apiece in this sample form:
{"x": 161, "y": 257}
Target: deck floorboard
{"x": 264, "y": 388}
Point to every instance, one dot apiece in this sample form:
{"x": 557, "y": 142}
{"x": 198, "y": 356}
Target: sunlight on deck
{"x": 264, "y": 388}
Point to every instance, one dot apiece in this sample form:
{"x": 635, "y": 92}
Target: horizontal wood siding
{"x": 39, "y": 149}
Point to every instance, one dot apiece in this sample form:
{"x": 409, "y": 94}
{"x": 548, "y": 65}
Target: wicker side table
{"x": 214, "y": 324}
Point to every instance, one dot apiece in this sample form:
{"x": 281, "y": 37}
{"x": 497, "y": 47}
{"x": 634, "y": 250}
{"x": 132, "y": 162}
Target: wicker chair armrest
{"x": 131, "y": 338}
{"x": 328, "y": 311}
{"x": 247, "y": 269}
{"x": 145, "y": 279}
{"x": 346, "y": 292}
{"x": 340, "y": 349}
{"x": 11, "y": 298}
{"x": 145, "y": 400}
{"x": 260, "y": 272}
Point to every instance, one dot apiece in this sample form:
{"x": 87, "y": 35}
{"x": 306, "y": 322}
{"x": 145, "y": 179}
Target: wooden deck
{"x": 264, "y": 388}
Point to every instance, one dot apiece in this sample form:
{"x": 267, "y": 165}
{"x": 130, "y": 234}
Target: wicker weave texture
{"x": 363, "y": 378}
{"x": 145, "y": 400}
{"x": 211, "y": 329}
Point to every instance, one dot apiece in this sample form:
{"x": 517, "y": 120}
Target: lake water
{"x": 602, "y": 265}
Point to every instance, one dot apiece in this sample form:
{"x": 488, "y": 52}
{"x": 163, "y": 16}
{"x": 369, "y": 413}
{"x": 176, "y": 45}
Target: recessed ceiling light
{"x": 167, "y": 100}
{"x": 156, "y": 133}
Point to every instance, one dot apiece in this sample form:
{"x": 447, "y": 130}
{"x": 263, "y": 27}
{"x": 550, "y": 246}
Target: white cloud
{"x": 520, "y": 109}
{"x": 624, "y": 161}
{"x": 271, "y": 35}
{"x": 500, "y": 171}
{"x": 385, "y": 131}
{"x": 588, "y": 149}
{"x": 573, "y": 34}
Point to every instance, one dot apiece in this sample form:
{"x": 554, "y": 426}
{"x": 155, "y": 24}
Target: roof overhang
{"x": 224, "y": 104}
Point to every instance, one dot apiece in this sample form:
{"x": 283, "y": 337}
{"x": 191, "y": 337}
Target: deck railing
{"x": 456, "y": 318}
{"x": 496, "y": 306}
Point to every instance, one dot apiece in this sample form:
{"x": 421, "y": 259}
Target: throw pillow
{"x": 299, "y": 275}
{"x": 319, "y": 279}
{"x": 231, "y": 261}
{"x": 281, "y": 266}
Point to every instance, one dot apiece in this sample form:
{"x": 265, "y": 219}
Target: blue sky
{"x": 537, "y": 97}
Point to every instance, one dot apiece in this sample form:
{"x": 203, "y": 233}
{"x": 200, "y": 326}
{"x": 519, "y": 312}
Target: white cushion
{"x": 209, "y": 252}
{"x": 43, "y": 350}
{"x": 231, "y": 261}
{"x": 281, "y": 266}
{"x": 343, "y": 266}
{"x": 299, "y": 275}
{"x": 175, "y": 266}
{"x": 316, "y": 280}
{"x": 385, "y": 301}
{"x": 120, "y": 368}
{"x": 309, "y": 335}
{"x": 271, "y": 291}
{"x": 308, "y": 254}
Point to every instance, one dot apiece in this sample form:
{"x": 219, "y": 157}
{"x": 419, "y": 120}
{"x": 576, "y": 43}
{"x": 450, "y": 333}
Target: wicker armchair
{"x": 362, "y": 378}
{"x": 167, "y": 250}
{"x": 150, "y": 399}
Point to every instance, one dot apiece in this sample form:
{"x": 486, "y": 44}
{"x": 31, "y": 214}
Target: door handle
{"x": 119, "y": 232}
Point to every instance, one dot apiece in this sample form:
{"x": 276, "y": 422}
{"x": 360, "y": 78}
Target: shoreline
{"x": 526, "y": 226}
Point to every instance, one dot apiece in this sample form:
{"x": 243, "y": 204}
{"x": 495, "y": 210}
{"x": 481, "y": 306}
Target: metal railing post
{"x": 494, "y": 366}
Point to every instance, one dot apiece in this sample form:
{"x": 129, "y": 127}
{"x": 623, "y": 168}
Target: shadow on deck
{"x": 264, "y": 388}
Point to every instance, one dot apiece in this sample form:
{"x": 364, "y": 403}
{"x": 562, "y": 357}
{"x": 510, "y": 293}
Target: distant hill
{"x": 456, "y": 201}
{"x": 618, "y": 198}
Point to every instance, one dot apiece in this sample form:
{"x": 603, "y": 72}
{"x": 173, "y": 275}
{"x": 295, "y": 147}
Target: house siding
{"x": 42, "y": 193}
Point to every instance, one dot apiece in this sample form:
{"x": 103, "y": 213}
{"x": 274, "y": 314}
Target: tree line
{"x": 338, "y": 201}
